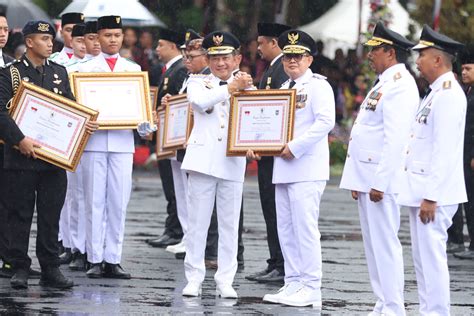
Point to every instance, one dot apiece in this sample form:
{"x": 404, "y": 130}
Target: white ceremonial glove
{"x": 145, "y": 129}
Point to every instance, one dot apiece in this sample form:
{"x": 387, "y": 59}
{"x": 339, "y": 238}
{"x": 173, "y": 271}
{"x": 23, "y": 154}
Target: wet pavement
{"x": 158, "y": 277}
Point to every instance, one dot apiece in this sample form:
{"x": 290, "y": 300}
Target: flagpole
{"x": 436, "y": 14}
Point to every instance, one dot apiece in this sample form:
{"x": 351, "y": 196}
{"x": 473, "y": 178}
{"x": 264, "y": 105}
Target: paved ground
{"x": 158, "y": 277}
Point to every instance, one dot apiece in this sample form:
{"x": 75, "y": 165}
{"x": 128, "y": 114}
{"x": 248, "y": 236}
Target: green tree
{"x": 456, "y": 18}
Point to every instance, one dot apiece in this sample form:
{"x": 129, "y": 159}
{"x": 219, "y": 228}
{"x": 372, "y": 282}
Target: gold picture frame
{"x": 122, "y": 98}
{"x": 54, "y": 122}
{"x": 154, "y": 97}
{"x": 162, "y": 153}
{"x": 178, "y": 122}
{"x": 261, "y": 120}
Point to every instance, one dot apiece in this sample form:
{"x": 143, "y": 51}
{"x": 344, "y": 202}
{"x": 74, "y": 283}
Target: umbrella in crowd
{"x": 133, "y": 13}
{"x": 18, "y": 12}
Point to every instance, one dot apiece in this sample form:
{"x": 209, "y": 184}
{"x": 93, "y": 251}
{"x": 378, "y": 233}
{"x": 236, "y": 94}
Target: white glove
{"x": 145, "y": 129}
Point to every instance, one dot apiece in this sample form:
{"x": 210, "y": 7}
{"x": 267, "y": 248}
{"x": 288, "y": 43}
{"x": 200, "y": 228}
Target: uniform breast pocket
{"x": 420, "y": 167}
{"x": 369, "y": 156}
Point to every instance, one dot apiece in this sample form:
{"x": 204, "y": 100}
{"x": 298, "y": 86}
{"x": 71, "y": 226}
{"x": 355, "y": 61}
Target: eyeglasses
{"x": 295, "y": 57}
{"x": 191, "y": 57}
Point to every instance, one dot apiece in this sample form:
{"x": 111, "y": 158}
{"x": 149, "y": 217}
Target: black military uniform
{"x": 455, "y": 232}
{"x": 272, "y": 78}
{"x": 4, "y": 239}
{"x": 171, "y": 82}
{"x": 32, "y": 182}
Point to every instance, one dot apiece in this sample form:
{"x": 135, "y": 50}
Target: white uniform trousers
{"x": 64, "y": 220}
{"x": 297, "y": 207}
{"x": 107, "y": 189}
{"x": 380, "y": 223}
{"x": 77, "y": 216}
{"x": 180, "y": 181}
{"x": 203, "y": 191}
{"x": 430, "y": 259}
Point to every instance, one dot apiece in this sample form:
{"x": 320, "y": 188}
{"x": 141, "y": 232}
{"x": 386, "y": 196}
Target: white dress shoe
{"x": 226, "y": 291}
{"x": 284, "y": 291}
{"x": 176, "y": 248}
{"x": 192, "y": 289}
{"x": 305, "y": 296}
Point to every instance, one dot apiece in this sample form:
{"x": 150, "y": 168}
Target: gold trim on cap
{"x": 295, "y": 49}
{"x": 215, "y": 50}
{"x": 426, "y": 43}
{"x": 376, "y": 41}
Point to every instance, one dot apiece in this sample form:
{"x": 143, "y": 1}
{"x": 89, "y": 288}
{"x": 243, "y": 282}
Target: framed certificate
{"x": 162, "y": 153}
{"x": 261, "y": 120}
{"x": 153, "y": 97}
{"x": 122, "y": 98}
{"x": 54, "y": 122}
{"x": 178, "y": 122}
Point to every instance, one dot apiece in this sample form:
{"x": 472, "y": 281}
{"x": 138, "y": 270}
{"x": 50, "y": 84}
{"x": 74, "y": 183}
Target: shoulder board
{"x": 318, "y": 76}
{"x": 14, "y": 62}
{"x": 56, "y": 64}
{"x": 397, "y": 76}
{"x": 447, "y": 85}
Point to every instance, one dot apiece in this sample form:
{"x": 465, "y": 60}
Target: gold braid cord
{"x": 15, "y": 74}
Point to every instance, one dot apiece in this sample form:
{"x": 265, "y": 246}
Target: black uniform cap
{"x": 383, "y": 36}
{"x": 271, "y": 29}
{"x": 72, "y": 18}
{"x": 109, "y": 22}
{"x": 38, "y": 27}
{"x": 467, "y": 55}
{"x": 78, "y": 30}
{"x": 432, "y": 39}
{"x": 172, "y": 36}
{"x": 296, "y": 42}
{"x": 220, "y": 43}
{"x": 189, "y": 36}
{"x": 91, "y": 27}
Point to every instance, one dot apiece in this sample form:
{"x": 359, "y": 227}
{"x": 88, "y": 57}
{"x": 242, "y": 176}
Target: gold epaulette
{"x": 396, "y": 76}
{"x": 447, "y": 84}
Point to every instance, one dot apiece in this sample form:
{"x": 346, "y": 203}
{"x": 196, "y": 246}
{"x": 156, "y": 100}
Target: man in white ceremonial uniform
{"x": 214, "y": 177}
{"x": 300, "y": 174}
{"x": 68, "y": 20}
{"x": 194, "y": 58}
{"x": 77, "y": 214}
{"x": 433, "y": 181}
{"x": 373, "y": 165}
{"x": 107, "y": 167}
{"x": 66, "y": 58}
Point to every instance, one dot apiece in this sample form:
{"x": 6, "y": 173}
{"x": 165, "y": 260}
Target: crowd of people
{"x": 403, "y": 150}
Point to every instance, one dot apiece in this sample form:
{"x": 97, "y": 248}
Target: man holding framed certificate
{"x": 212, "y": 175}
{"x": 107, "y": 164}
{"x": 300, "y": 174}
{"x": 33, "y": 182}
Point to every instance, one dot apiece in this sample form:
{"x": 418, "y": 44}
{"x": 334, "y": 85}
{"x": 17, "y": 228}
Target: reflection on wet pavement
{"x": 158, "y": 277}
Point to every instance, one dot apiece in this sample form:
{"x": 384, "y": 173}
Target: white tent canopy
{"x": 133, "y": 13}
{"x": 339, "y": 27}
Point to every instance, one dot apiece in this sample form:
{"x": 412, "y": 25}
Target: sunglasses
{"x": 295, "y": 57}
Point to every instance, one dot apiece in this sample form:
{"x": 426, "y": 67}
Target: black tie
{"x": 427, "y": 92}
{"x": 292, "y": 83}
{"x": 222, "y": 83}
{"x": 375, "y": 83}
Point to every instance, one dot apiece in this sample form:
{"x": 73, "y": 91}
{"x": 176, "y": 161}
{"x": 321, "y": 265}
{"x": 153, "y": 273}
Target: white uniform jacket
{"x": 119, "y": 141}
{"x": 434, "y": 156}
{"x": 61, "y": 57}
{"x": 207, "y": 144}
{"x": 314, "y": 119}
{"x": 380, "y": 133}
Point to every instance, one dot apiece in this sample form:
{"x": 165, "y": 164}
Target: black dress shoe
{"x": 273, "y": 276}
{"x": 34, "y": 274}
{"x": 65, "y": 257}
{"x": 53, "y": 277}
{"x": 6, "y": 271}
{"x": 19, "y": 279}
{"x": 95, "y": 271}
{"x": 115, "y": 271}
{"x": 78, "y": 262}
{"x": 253, "y": 277}
{"x": 164, "y": 241}
{"x": 467, "y": 254}
{"x": 180, "y": 255}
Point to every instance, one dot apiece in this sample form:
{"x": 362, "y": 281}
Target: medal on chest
{"x": 301, "y": 100}
{"x": 373, "y": 100}
{"x": 269, "y": 81}
{"x": 422, "y": 116}
{"x": 165, "y": 83}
